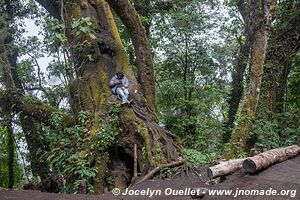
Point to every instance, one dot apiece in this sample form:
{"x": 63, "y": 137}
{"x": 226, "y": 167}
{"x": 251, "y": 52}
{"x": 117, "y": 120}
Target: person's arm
{"x": 113, "y": 82}
{"x": 125, "y": 82}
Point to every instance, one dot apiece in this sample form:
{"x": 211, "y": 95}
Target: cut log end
{"x": 210, "y": 173}
{"x": 249, "y": 166}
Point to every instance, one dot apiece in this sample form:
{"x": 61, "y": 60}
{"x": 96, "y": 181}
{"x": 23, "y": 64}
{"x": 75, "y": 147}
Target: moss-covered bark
{"x": 17, "y": 102}
{"x": 258, "y": 19}
{"x": 4, "y": 58}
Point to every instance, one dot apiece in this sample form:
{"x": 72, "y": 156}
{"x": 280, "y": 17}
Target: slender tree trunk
{"x": 11, "y": 150}
{"x": 237, "y": 90}
{"x": 258, "y": 20}
{"x": 186, "y": 70}
{"x": 282, "y": 89}
{"x": 186, "y": 78}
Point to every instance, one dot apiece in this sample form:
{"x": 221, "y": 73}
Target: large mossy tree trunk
{"x": 90, "y": 91}
{"x": 258, "y": 19}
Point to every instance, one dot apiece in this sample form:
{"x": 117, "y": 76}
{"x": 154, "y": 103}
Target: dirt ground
{"x": 283, "y": 180}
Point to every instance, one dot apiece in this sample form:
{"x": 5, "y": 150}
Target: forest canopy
{"x": 207, "y": 79}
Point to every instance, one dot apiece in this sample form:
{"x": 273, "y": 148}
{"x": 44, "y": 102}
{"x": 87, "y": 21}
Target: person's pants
{"x": 123, "y": 93}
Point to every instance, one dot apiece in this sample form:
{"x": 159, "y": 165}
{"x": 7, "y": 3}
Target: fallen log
{"x": 224, "y": 168}
{"x": 157, "y": 169}
{"x": 264, "y": 160}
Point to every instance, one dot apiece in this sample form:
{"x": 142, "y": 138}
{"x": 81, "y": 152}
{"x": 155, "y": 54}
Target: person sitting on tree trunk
{"x": 119, "y": 85}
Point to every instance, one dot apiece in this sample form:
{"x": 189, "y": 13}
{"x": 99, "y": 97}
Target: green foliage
{"x": 83, "y": 30}
{"x": 32, "y": 74}
{"x": 73, "y": 151}
{"x": 82, "y": 117}
{"x": 283, "y": 130}
{"x": 83, "y": 27}
{"x": 145, "y": 19}
{"x": 56, "y": 119}
{"x": 165, "y": 172}
{"x": 68, "y": 155}
{"x": 198, "y": 120}
{"x": 56, "y": 29}
{"x": 110, "y": 129}
{"x": 75, "y": 168}
{"x": 293, "y": 94}
{"x": 191, "y": 67}
{"x": 195, "y": 157}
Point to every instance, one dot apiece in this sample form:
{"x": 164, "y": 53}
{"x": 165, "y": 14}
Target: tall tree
{"x": 259, "y": 15}
{"x": 97, "y": 54}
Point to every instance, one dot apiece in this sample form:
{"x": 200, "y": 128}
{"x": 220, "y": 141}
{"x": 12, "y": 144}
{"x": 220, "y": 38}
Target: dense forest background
{"x": 226, "y": 75}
